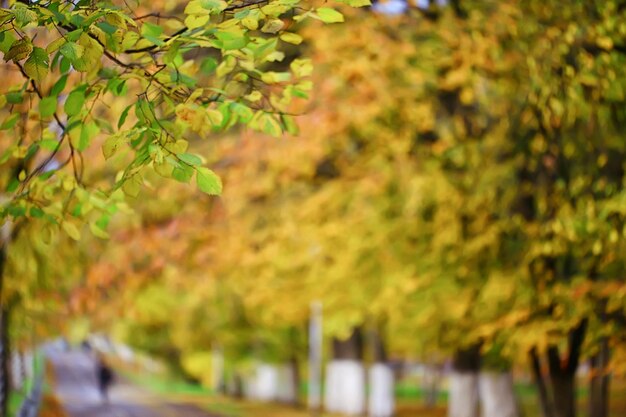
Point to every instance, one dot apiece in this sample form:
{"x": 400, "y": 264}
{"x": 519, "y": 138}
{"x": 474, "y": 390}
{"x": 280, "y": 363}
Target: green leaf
{"x": 208, "y": 182}
{"x": 87, "y": 133}
{"x": 36, "y": 212}
{"x": 208, "y": 65}
{"x": 10, "y": 121}
{"x": 97, "y": 231}
{"x": 47, "y": 106}
{"x": 14, "y": 97}
{"x": 49, "y": 144}
{"x": 290, "y": 124}
{"x": 123, "y": 116}
{"x": 7, "y": 39}
{"x": 271, "y": 126}
{"x": 152, "y": 32}
{"x": 244, "y": 112}
{"x": 23, "y": 15}
{"x": 328, "y": 15}
{"x": 72, "y": 51}
{"x": 231, "y": 40}
{"x": 183, "y": 173}
{"x": 19, "y": 50}
{"x": 36, "y": 66}
{"x": 107, "y": 27}
{"x": 214, "y": 6}
{"x": 75, "y": 102}
{"x": 190, "y": 159}
{"x": 59, "y": 86}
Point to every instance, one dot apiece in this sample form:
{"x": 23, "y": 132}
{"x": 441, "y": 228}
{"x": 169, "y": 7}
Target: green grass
{"x": 409, "y": 395}
{"x": 15, "y": 401}
{"x": 166, "y": 384}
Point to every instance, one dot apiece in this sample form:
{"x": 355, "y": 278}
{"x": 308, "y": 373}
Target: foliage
{"x": 101, "y": 99}
{"x": 458, "y": 181}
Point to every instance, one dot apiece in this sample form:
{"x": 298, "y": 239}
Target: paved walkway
{"x": 77, "y": 391}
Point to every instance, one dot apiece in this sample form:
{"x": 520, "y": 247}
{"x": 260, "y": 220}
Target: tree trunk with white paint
{"x": 381, "y": 380}
{"x": 287, "y": 383}
{"x": 345, "y": 387}
{"x": 463, "y": 384}
{"x": 463, "y": 394}
{"x": 345, "y": 377}
{"x": 497, "y": 396}
{"x": 266, "y": 382}
{"x": 381, "y": 397}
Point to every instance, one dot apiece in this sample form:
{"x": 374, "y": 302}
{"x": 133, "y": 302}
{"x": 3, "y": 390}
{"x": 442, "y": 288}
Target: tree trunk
{"x": 351, "y": 348}
{"x": 345, "y": 377}
{"x": 463, "y": 394}
{"x": 563, "y": 386}
{"x": 294, "y": 373}
{"x": 381, "y": 399}
{"x": 599, "y": 385}
{"x": 563, "y": 372}
{"x": 381, "y": 381}
{"x": 234, "y": 387}
{"x": 463, "y": 398}
{"x": 540, "y": 380}
{"x": 497, "y": 396}
{"x": 265, "y": 382}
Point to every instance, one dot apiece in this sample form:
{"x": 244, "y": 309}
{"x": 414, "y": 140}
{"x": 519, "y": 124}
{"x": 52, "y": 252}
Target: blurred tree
{"x": 460, "y": 179}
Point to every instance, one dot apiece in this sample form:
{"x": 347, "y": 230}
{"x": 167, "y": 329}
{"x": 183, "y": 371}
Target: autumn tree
{"x": 119, "y": 80}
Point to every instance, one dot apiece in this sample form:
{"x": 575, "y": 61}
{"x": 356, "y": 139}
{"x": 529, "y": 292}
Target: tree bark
{"x": 497, "y": 396}
{"x": 540, "y": 381}
{"x": 381, "y": 380}
{"x": 293, "y": 368}
{"x": 351, "y": 348}
{"x": 295, "y": 380}
{"x": 563, "y": 386}
{"x": 563, "y": 372}
{"x": 345, "y": 377}
{"x": 599, "y": 384}
{"x": 463, "y": 398}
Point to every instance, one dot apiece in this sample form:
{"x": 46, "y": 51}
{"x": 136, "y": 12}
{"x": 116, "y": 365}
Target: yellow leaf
{"x": 71, "y": 230}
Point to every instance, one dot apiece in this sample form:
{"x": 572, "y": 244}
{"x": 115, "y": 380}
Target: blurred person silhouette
{"x": 104, "y": 376}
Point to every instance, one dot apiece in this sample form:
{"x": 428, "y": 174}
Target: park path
{"x": 76, "y": 389}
